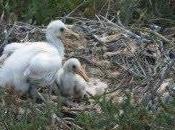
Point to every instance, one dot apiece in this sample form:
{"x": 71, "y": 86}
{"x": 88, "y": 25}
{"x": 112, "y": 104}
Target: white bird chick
{"x": 72, "y": 79}
{"x": 37, "y": 61}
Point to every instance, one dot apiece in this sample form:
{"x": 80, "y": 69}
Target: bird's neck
{"x": 53, "y": 40}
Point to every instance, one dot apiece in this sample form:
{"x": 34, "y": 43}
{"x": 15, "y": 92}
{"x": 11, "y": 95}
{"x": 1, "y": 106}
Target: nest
{"x": 125, "y": 60}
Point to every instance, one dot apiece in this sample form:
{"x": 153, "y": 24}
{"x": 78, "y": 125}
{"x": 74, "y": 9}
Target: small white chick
{"x": 72, "y": 79}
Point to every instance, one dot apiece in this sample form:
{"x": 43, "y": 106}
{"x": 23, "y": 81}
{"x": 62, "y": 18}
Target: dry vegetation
{"x": 136, "y": 61}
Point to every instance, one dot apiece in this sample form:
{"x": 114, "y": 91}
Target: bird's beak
{"x": 82, "y": 73}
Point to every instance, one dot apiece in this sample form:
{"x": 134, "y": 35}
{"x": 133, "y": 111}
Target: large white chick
{"x": 38, "y": 61}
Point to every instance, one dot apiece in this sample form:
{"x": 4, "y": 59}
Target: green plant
{"x": 131, "y": 11}
{"x": 37, "y": 11}
{"x": 126, "y": 116}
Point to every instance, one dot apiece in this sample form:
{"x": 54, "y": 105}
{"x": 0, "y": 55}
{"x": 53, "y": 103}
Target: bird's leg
{"x": 65, "y": 100}
{"x": 33, "y": 92}
{"x": 86, "y": 98}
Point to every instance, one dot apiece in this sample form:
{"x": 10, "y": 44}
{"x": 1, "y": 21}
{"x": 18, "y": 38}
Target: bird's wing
{"x": 80, "y": 86}
{"x": 10, "y": 48}
{"x": 43, "y": 67}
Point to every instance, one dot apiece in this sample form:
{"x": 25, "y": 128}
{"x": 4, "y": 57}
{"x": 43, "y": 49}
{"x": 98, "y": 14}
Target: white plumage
{"x": 37, "y": 61}
{"x": 72, "y": 79}
{"x": 9, "y": 49}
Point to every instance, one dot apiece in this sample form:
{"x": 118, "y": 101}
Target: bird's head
{"x": 56, "y": 28}
{"x": 73, "y": 65}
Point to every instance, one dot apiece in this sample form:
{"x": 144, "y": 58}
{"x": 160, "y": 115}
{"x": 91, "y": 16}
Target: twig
{"x": 118, "y": 19}
{"x": 103, "y": 6}
{"x": 78, "y": 109}
{"x": 61, "y": 121}
{"x": 108, "y": 8}
{"x": 75, "y": 126}
{"x": 92, "y": 35}
{"x": 69, "y": 118}
{"x": 159, "y": 36}
{"x": 64, "y": 18}
{"x": 114, "y": 90}
{"x": 128, "y": 32}
{"x": 99, "y": 20}
{"x": 130, "y": 70}
{"x": 2, "y": 17}
{"x": 7, "y": 35}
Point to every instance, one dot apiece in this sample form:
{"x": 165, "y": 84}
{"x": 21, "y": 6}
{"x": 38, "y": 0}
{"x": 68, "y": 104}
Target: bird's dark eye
{"x": 61, "y": 29}
{"x": 74, "y": 67}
